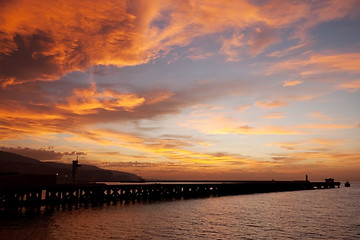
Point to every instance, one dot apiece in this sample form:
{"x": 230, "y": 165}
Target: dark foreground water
{"x": 313, "y": 214}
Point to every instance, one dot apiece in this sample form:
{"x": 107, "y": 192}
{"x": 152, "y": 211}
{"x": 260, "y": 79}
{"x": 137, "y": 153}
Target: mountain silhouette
{"x": 15, "y": 164}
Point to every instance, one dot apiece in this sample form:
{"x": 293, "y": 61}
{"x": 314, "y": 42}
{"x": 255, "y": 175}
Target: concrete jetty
{"x": 78, "y": 193}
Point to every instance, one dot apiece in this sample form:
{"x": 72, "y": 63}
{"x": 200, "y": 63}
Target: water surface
{"x": 312, "y": 214}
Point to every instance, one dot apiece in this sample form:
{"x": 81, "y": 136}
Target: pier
{"x": 79, "y": 193}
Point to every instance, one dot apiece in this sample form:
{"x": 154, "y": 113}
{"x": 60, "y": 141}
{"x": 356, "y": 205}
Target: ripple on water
{"x": 318, "y": 214}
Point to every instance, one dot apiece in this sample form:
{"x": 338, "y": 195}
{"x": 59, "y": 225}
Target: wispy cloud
{"x": 325, "y": 126}
{"x": 227, "y": 125}
{"x": 231, "y": 47}
{"x": 350, "y": 86}
{"x": 319, "y": 63}
{"x": 284, "y": 52}
{"x": 243, "y": 107}
{"x": 274, "y": 115}
{"x": 319, "y": 115}
{"x": 271, "y": 104}
{"x": 292, "y": 83}
{"x": 169, "y": 148}
{"x": 313, "y": 144}
{"x": 324, "y": 159}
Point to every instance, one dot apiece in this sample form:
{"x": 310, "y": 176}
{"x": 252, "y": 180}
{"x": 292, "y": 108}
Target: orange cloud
{"x": 349, "y": 62}
{"x": 230, "y": 47}
{"x": 26, "y": 114}
{"x": 292, "y": 83}
{"x": 319, "y": 115}
{"x": 286, "y": 145}
{"x": 301, "y": 98}
{"x": 321, "y": 158}
{"x": 196, "y": 54}
{"x": 261, "y": 39}
{"x": 163, "y": 149}
{"x": 159, "y": 96}
{"x": 52, "y": 38}
{"x": 274, "y": 115}
{"x": 85, "y": 101}
{"x": 271, "y": 104}
{"x": 317, "y": 63}
{"x": 225, "y": 125}
{"x": 44, "y": 40}
{"x": 283, "y": 53}
{"x": 20, "y": 128}
{"x": 326, "y": 142}
{"x": 313, "y": 144}
{"x": 39, "y": 109}
{"x": 325, "y": 126}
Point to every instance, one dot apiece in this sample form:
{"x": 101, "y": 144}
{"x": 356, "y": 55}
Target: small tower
{"x": 75, "y": 170}
{"x": 307, "y": 178}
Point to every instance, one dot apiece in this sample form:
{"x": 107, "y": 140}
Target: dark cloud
{"x": 28, "y": 61}
{"x": 51, "y": 39}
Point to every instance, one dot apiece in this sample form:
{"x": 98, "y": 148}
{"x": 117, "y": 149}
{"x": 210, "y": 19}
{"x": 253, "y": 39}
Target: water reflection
{"x": 318, "y": 214}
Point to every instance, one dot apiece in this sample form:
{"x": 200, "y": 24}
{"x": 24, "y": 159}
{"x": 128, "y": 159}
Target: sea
{"x": 309, "y": 214}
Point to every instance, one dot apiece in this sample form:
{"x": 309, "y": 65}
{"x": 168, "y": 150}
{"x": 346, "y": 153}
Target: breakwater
{"x": 76, "y": 193}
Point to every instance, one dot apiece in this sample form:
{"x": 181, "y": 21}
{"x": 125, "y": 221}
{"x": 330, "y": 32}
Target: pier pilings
{"x": 102, "y": 193}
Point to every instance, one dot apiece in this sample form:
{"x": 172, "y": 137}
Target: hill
{"x": 11, "y": 163}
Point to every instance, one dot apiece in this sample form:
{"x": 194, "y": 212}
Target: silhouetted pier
{"x": 78, "y": 193}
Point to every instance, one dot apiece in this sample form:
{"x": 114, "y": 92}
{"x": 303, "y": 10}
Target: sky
{"x": 184, "y": 90}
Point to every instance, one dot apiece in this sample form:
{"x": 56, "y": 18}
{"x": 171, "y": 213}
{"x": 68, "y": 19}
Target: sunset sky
{"x": 205, "y": 89}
